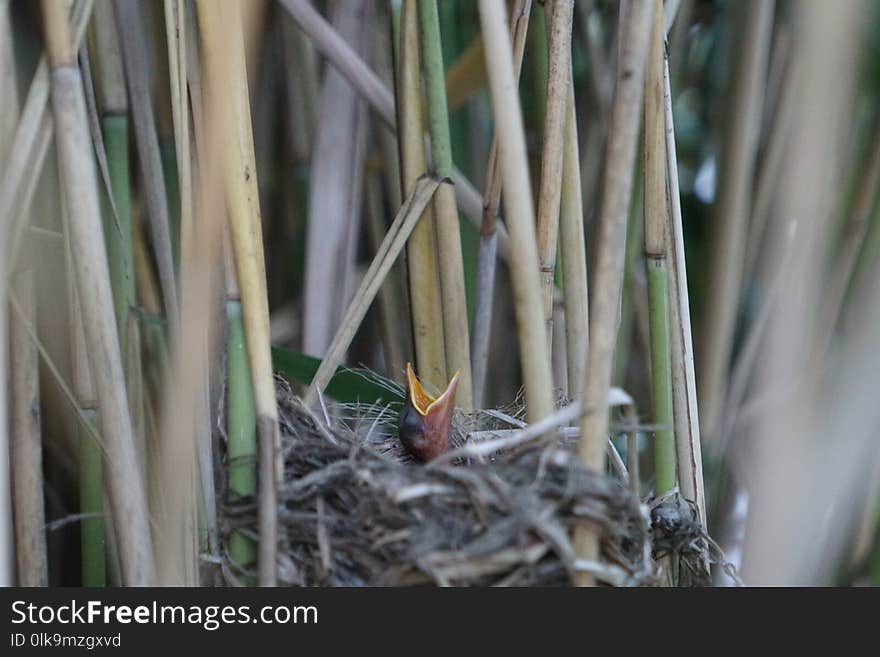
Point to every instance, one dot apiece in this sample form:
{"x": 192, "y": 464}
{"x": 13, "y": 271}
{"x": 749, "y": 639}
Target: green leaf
{"x": 348, "y": 385}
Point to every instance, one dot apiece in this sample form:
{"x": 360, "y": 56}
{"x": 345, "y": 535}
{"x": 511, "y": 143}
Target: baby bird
{"x": 425, "y": 421}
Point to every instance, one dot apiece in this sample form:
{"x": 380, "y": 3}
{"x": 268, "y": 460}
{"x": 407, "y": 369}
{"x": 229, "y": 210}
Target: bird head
{"x": 425, "y": 420}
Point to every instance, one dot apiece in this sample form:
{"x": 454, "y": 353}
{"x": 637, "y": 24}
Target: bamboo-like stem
{"x": 332, "y": 46}
{"x": 93, "y": 280}
{"x": 574, "y": 257}
{"x": 449, "y": 257}
{"x": 241, "y": 427}
{"x": 29, "y": 147}
{"x": 391, "y": 246}
{"x": 136, "y": 60}
{"x": 555, "y": 120}
{"x": 535, "y": 359}
{"x": 120, "y": 253}
{"x": 26, "y": 445}
{"x": 684, "y": 384}
{"x": 91, "y": 471}
{"x": 737, "y": 170}
{"x": 8, "y": 121}
{"x": 488, "y": 250}
{"x": 656, "y": 210}
{"x": 424, "y": 277}
{"x": 223, "y": 48}
{"x": 607, "y": 281}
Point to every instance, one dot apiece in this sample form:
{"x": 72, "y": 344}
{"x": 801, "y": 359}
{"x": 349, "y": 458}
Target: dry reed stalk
{"x": 574, "y": 257}
{"x": 395, "y": 239}
{"x": 537, "y": 377}
{"x": 446, "y": 225}
{"x": 555, "y": 120}
{"x": 729, "y": 241}
{"x": 335, "y": 192}
{"x": 135, "y": 57}
{"x": 607, "y": 280}
{"x": 424, "y": 276}
{"x": 178, "y": 37}
{"x": 30, "y": 145}
{"x": 342, "y": 56}
{"x": 8, "y": 122}
{"x": 93, "y": 280}
{"x": 488, "y": 250}
{"x": 223, "y": 48}
{"x": 26, "y": 447}
{"x": 689, "y": 453}
{"x": 656, "y": 216}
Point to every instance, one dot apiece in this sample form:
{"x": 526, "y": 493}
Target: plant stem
{"x": 424, "y": 277}
{"x": 95, "y": 295}
{"x": 449, "y": 257}
{"x": 26, "y": 448}
{"x": 611, "y": 247}
{"x": 241, "y": 427}
{"x": 555, "y": 120}
{"x": 535, "y": 358}
{"x": 656, "y": 210}
{"x": 223, "y": 46}
{"x": 574, "y": 257}
{"x": 488, "y": 250}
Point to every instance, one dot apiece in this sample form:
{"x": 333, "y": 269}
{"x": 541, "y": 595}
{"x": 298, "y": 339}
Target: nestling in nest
{"x": 355, "y": 509}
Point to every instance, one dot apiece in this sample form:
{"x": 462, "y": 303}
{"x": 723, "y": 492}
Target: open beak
{"x": 425, "y": 420}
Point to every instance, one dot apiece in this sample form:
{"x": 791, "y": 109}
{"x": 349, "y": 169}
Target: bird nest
{"x": 354, "y": 511}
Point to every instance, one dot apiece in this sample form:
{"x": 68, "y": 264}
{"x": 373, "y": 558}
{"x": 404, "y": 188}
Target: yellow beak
{"x": 425, "y": 420}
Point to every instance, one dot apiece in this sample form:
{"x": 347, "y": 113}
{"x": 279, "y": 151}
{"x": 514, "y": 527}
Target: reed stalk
{"x": 555, "y": 120}
{"x": 135, "y": 57}
{"x": 95, "y": 294}
{"x": 227, "y": 80}
{"x": 342, "y": 56}
{"x": 241, "y": 427}
{"x": 607, "y": 280}
{"x": 574, "y": 256}
{"x": 26, "y": 445}
{"x": 27, "y": 152}
{"x": 449, "y": 257}
{"x": 688, "y": 444}
{"x": 656, "y": 210}
{"x": 488, "y": 249}
{"x": 537, "y": 377}
{"x": 424, "y": 276}
{"x": 729, "y": 240}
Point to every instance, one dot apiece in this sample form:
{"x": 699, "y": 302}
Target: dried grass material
{"x": 354, "y": 512}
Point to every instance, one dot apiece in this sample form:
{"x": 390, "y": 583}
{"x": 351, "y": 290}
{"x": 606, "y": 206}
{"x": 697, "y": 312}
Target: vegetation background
{"x": 680, "y": 201}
